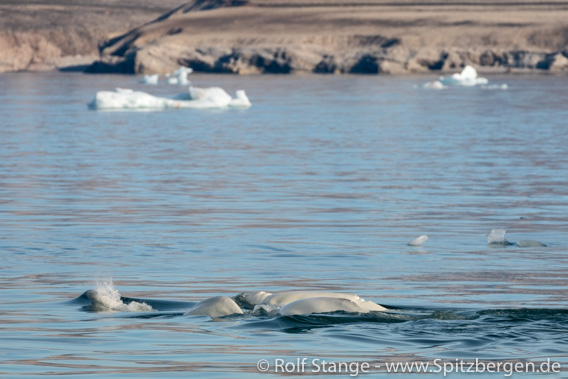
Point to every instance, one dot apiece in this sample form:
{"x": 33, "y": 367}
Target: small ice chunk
{"x": 497, "y": 237}
{"x": 150, "y": 79}
{"x": 503, "y": 86}
{"x": 418, "y": 240}
{"x": 241, "y": 101}
{"x": 179, "y": 76}
{"x": 467, "y": 77}
{"x": 530, "y": 243}
{"x": 434, "y": 84}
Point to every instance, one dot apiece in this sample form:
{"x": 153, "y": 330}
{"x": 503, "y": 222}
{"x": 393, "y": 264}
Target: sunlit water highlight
{"x": 319, "y": 186}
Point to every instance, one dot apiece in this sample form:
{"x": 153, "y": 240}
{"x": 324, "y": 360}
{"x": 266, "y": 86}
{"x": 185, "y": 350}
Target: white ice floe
{"x": 418, "y": 240}
{"x": 199, "y": 98}
{"x": 467, "y": 77}
{"x": 179, "y": 76}
{"x": 106, "y": 298}
{"x": 150, "y": 79}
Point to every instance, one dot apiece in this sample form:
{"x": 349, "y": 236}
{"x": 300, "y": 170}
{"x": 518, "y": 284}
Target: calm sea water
{"x": 319, "y": 186}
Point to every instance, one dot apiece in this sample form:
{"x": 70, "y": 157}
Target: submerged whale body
{"x": 530, "y": 243}
{"x": 215, "y": 307}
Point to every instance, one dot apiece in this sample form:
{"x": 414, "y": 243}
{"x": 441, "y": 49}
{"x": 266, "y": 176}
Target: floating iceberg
{"x": 150, "y": 79}
{"x": 198, "y": 98}
{"x": 179, "y": 76}
{"x": 468, "y": 77}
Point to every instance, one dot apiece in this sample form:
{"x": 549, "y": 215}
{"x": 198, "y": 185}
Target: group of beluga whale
{"x": 106, "y": 298}
{"x": 285, "y": 303}
{"x": 289, "y": 303}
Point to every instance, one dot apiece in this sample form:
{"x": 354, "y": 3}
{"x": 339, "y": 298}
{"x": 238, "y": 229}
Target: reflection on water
{"x": 319, "y": 186}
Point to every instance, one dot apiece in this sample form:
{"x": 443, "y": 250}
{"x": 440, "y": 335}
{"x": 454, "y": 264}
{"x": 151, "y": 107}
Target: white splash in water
{"x": 107, "y": 298}
{"x": 497, "y": 237}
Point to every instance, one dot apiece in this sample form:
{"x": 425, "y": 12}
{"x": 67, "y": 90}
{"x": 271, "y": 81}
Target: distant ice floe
{"x": 434, "y": 84}
{"x": 466, "y": 78}
{"x": 196, "y": 98}
{"x": 178, "y": 77}
{"x": 150, "y": 79}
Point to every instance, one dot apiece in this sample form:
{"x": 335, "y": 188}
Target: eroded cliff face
{"x": 271, "y": 36}
{"x": 44, "y": 34}
{"x": 293, "y": 36}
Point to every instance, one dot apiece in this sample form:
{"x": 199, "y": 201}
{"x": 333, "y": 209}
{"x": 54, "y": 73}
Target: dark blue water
{"x": 319, "y": 186}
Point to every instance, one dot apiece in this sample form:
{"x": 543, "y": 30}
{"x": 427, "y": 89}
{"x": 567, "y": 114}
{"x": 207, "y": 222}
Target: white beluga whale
{"x": 329, "y": 304}
{"x": 418, "y": 241}
{"x": 307, "y": 302}
{"x": 215, "y": 307}
{"x": 530, "y": 243}
{"x": 497, "y": 237}
{"x": 106, "y": 298}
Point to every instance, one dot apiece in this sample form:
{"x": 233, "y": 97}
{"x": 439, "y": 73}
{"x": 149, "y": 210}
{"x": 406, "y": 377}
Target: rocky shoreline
{"x": 286, "y": 60}
{"x": 340, "y": 37}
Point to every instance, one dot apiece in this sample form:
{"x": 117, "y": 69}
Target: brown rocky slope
{"x": 340, "y": 36}
{"x": 43, "y": 34}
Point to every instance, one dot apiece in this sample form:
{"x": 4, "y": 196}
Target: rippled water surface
{"x": 319, "y": 186}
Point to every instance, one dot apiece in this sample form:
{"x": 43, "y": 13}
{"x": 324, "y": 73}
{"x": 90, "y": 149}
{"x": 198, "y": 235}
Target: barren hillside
{"x": 276, "y": 36}
{"x": 37, "y": 34}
